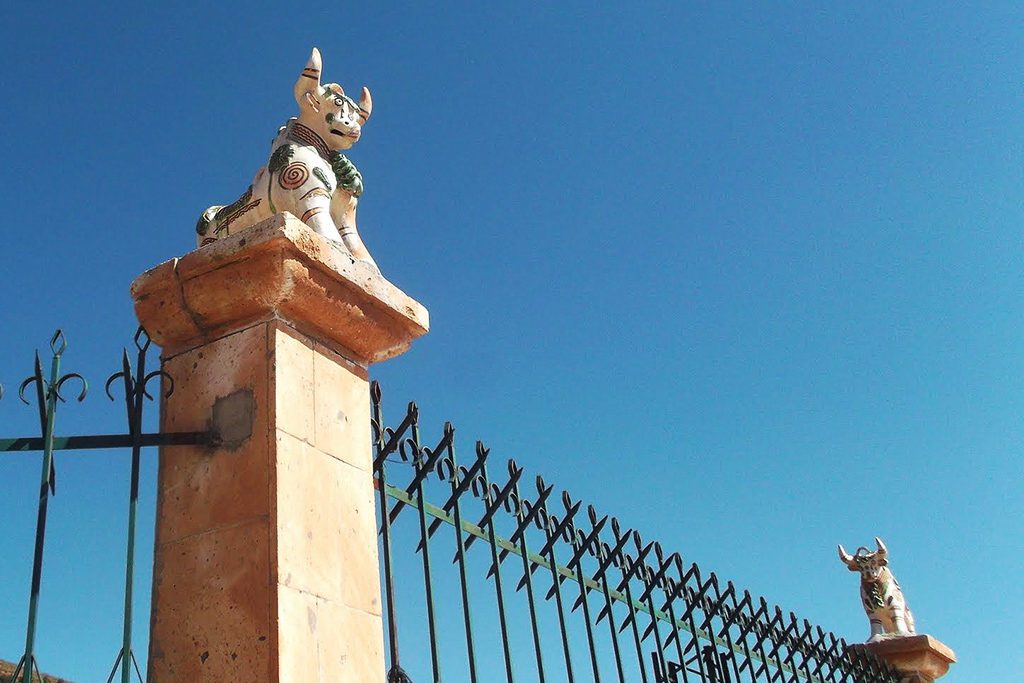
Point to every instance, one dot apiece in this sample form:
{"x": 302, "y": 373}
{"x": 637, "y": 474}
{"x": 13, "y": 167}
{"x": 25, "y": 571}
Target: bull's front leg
{"x": 345, "y": 218}
{"x": 900, "y": 622}
{"x": 877, "y": 630}
{"x": 314, "y": 209}
{"x": 350, "y": 188}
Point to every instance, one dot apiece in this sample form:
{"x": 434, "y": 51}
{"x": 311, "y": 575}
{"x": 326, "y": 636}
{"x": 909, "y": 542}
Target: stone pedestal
{"x": 266, "y": 551}
{"x": 920, "y": 658}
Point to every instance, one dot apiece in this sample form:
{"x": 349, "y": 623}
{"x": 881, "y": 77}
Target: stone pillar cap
{"x": 280, "y": 269}
{"x": 918, "y": 654}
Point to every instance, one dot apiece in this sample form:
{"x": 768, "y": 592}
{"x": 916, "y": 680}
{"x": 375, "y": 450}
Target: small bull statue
{"x": 880, "y": 591}
{"x": 306, "y": 174}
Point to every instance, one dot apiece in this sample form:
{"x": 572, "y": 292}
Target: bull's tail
{"x": 208, "y": 217}
{"x": 220, "y": 218}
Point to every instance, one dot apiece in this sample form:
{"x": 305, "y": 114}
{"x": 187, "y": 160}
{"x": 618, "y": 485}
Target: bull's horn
{"x": 365, "y": 104}
{"x": 846, "y": 558}
{"x": 882, "y": 550}
{"x": 309, "y": 79}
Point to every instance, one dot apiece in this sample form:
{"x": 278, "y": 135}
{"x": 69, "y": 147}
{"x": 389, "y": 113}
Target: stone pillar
{"x": 266, "y": 549}
{"x": 919, "y": 658}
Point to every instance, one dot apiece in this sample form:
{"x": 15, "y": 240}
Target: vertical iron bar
{"x": 760, "y": 631}
{"x": 736, "y": 618}
{"x": 395, "y": 670}
{"x": 489, "y": 499}
{"x": 721, "y": 611}
{"x": 806, "y": 652}
{"x": 547, "y": 523}
{"x": 134, "y": 395}
{"x": 606, "y": 557}
{"x": 627, "y": 570}
{"x": 581, "y": 543}
{"x": 691, "y": 598}
{"x": 708, "y": 653}
{"x": 653, "y": 580}
{"x": 671, "y": 593}
{"x": 461, "y": 551}
{"x": 47, "y": 399}
{"x": 523, "y": 517}
{"x": 776, "y": 639}
{"x": 613, "y": 631}
{"x": 420, "y": 465}
{"x": 647, "y": 575}
{"x": 659, "y": 675}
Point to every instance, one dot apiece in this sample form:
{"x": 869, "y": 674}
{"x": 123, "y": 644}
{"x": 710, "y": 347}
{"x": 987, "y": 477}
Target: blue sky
{"x": 747, "y": 277}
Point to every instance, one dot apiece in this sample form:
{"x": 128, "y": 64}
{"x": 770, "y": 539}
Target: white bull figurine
{"x": 306, "y": 174}
{"x": 880, "y": 591}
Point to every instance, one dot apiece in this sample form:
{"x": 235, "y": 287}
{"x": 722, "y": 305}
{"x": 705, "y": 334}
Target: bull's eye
{"x": 338, "y": 101}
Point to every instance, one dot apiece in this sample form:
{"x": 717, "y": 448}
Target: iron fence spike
{"x": 627, "y": 622}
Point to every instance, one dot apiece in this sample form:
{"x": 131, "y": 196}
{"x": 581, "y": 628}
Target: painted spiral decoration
{"x": 293, "y": 175}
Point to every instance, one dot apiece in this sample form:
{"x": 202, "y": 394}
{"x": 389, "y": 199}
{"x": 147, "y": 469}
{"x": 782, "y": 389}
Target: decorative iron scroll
{"x": 624, "y": 608}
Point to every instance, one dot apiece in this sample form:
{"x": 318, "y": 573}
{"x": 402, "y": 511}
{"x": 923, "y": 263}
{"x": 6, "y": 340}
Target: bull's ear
{"x": 308, "y": 84}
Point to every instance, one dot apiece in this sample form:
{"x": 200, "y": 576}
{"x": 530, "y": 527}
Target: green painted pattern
{"x": 278, "y": 160}
{"x": 322, "y": 177}
{"x": 348, "y": 176}
{"x": 876, "y": 594}
{"x": 234, "y": 206}
{"x": 203, "y": 224}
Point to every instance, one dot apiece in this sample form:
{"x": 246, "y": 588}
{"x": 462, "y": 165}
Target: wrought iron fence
{"x": 595, "y": 601}
{"x": 47, "y": 393}
{"x": 564, "y": 592}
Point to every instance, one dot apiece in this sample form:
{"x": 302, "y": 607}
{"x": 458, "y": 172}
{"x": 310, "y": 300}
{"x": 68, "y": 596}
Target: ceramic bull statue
{"x": 306, "y": 174}
{"x": 880, "y": 591}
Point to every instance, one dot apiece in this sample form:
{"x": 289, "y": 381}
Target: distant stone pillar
{"x": 266, "y": 549}
{"x": 918, "y": 658}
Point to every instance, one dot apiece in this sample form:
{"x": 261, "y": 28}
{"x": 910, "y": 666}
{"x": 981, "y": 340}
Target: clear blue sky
{"x": 747, "y": 277}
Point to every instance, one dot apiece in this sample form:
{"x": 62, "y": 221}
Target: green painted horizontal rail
{"x": 636, "y": 606}
{"x": 94, "y": 441}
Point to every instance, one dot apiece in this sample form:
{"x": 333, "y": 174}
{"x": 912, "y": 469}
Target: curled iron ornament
{"x": 110, "y": 380}
{"x": 134, "y": 383}
{"x": 512, "y": 503}
{"x": 408, "y": 451}
{"x": 162, "y": 374}
{"x": 68, "y": 377}
{"x": 395, "y": 441}
{"x": 54, "y": 390}
{"x": 444, "y": 466}
{"x": 125, "y": 375}
{"x": 479, "y": 486}
{"x": 37, "y": 380}
{"x": 568, "y": 531}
